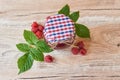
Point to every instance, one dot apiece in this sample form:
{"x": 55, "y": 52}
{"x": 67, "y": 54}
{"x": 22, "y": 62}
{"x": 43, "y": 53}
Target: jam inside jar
{"x": 61, "y": 46}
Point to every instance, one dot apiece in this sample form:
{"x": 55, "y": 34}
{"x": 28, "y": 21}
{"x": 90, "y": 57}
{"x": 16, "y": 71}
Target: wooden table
{"x": 103, "y": 59}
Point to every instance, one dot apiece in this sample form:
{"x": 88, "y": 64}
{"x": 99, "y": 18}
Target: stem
{"x": 32, "y": 46}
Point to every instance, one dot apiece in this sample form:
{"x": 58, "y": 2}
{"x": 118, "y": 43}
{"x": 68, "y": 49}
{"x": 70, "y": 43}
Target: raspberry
{"x": 75, "y": 50}
{"x": 83, "y": 51}
{"x": 39, "y": 34}
{"x": 40, "y": 27}
{"x": 48, "y": 59}
{"x": 34, "y": 24}
{"x": 34, "y": 29}
{"x": 80, "y": 44}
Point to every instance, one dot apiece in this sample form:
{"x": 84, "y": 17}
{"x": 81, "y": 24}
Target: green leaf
{"x": 36, "y": 54}
{"x": 30, "y": 37}
{"x": 74, "y": 16}
{"x": 82, "y": 31}
{"x": 23, "y": 47}
{"x": 25, "y": 63}
{"x": 43, "y": 46}
{"x": 65, "y": 10}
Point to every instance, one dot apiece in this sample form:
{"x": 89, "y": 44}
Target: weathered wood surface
{"x": 103, "y": 59}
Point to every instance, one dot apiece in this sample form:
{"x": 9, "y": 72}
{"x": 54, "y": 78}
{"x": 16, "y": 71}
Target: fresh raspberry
{"x": 80, "y": 44}
{"x": 83, "y": 51}
{"x": 40, "y": 27}
{"x": 48, "y": 59}
{"x": 34, "y": 29}
{"x": 34, "y": 24}
{"x": 39, "y": 34}
{"x": 75, "y": 50}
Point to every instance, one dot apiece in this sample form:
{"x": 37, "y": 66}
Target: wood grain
{"x": 53, "y": 5}
{"x": 102, "y": 61}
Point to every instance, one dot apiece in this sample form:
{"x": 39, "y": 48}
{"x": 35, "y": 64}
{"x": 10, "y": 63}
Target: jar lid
{"x": 58, "y": 29}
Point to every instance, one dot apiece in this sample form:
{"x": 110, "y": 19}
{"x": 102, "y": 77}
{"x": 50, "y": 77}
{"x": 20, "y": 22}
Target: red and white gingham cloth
{"x": 58, "y": 28}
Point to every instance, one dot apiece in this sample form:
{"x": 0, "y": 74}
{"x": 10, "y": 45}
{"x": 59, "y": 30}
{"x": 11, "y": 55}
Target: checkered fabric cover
{"x": 58, "y": 28}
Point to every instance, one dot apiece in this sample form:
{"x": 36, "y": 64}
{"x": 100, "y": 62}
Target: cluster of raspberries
{"x": 78, "y": 48}
{"x": 37, "y": 29}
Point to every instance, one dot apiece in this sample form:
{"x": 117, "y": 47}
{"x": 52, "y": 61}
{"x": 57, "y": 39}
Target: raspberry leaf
{"x": 30, "y": 37}
{"x": 25, "y": 62}
{"x": 23, "y": 47}
{"x": 36, "y": 54}
{"x": 82, "y": 31}
{"x": 65, "y": 10}
{"x": 74, "y": 16}
{"x": 43, "y": 46}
